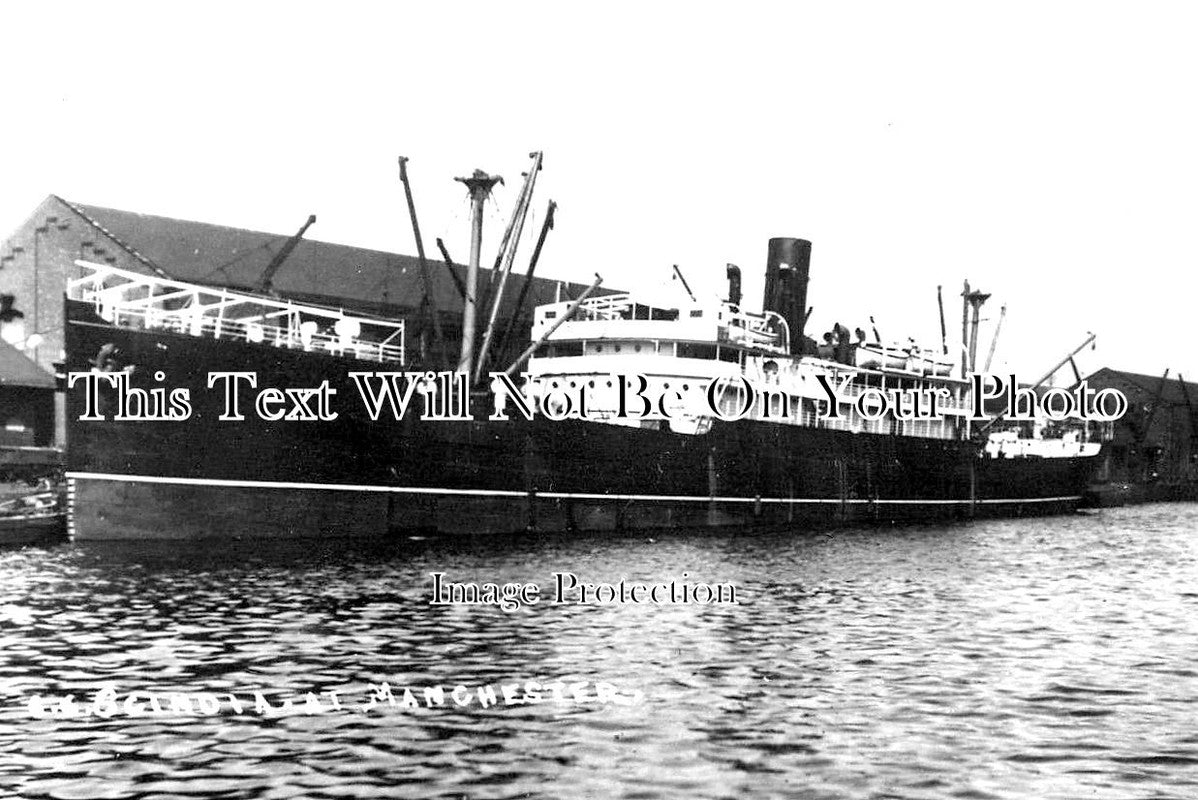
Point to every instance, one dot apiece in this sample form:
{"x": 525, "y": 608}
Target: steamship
{"x": 786, "y": 461}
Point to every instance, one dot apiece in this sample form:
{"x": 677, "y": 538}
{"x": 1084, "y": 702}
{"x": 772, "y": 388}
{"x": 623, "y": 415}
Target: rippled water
{"x": 1028, "y": 658}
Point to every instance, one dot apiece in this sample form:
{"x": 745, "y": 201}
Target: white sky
{"x": 1046, "y": 152}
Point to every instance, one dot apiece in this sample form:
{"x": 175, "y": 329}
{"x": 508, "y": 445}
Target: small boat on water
{"x": 33, "y": 518}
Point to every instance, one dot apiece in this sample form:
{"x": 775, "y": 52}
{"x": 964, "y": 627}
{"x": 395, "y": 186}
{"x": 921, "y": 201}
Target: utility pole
{"x": 479, "y": 185}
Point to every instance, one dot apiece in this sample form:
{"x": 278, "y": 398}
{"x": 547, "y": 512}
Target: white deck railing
{"x": 133, "y": 300}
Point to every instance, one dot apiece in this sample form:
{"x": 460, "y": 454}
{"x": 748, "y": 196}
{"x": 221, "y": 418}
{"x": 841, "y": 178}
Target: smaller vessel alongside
{"x": 33, "y": 518}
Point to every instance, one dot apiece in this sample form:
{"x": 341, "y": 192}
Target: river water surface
{"x": 1047, "y": 658}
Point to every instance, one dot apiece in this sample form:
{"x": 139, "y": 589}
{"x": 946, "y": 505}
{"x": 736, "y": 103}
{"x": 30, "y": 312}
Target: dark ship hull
{"x": 202, "y": 477}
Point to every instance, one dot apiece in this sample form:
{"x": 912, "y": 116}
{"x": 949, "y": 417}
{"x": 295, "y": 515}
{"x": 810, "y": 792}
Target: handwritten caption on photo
{"x": 109, "y": 702}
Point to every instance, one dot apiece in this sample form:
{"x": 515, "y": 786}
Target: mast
{"x": 1077, "y": 375}
{"x": 429, "y": 300}
{"x": 546, "y": 226}
{"x": 1089, "y": 340}
{"x": 973, "y": 302}
{"x": 461, "y": 287}
{"x": 965, "y": 331}
{"x": 973, "y": 335}
{"x": 479, "y": 184}
{"x": 509, "y": 256}
{"x": 943, "y": 330}
{"x": 994, "y": 342}
{"x": 266, "y": 282}
{"x": 507, "y": 236}
{"x": 570, "y": 312}
{"x": 685, "y": 285}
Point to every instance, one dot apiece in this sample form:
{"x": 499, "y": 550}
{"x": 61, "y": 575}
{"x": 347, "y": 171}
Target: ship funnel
{"x": 734, "y": 285}
{"x": 786, "y": 269}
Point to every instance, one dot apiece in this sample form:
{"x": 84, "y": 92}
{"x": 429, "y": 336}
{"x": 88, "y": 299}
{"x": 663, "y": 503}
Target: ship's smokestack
{"x": 786, "y": 269}
{"x": 734, "y": 285}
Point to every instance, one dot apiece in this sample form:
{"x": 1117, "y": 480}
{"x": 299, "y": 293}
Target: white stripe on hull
{"x": 423, "y": 490}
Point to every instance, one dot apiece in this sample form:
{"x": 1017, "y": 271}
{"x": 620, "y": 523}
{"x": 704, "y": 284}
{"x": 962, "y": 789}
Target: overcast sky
{"x": 1048, "y": 152}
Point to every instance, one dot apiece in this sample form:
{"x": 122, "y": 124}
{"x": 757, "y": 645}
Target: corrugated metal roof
{"x": 1149, "y": 385}
{"x": 17, "y": 370}
{"x": 201, "y": 252}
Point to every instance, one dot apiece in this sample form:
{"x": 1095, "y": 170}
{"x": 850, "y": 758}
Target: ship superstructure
{"x": 752, "y": 422}
{"x": 126, "y": 299}
{"x": 679, "y": 352}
